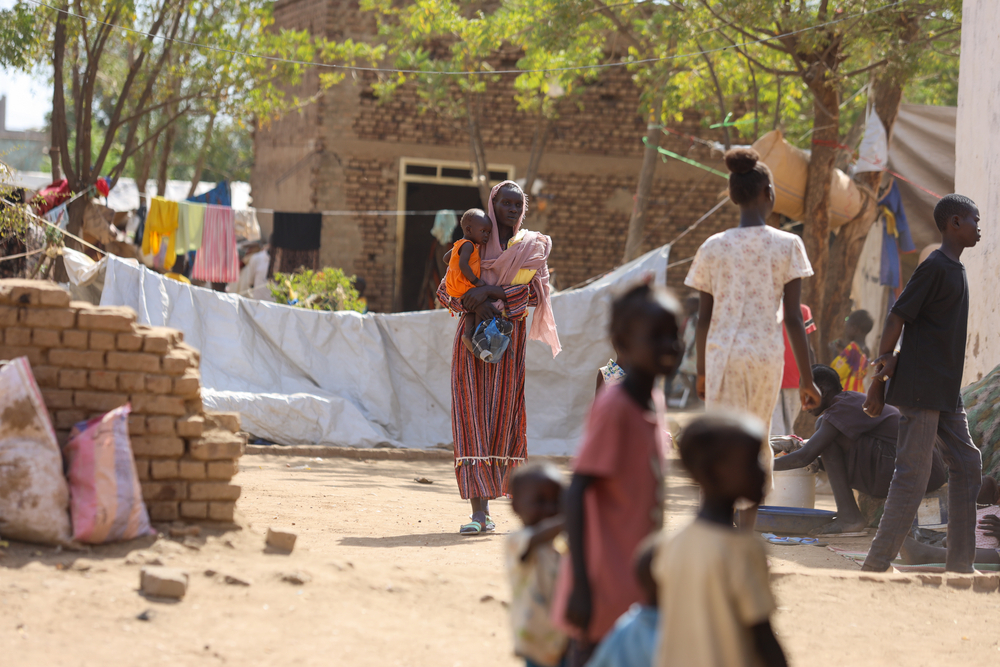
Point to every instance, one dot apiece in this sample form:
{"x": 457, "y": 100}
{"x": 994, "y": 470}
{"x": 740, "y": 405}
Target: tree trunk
{"x": 200, "y": 164}
{"x": 481, "y": 168}
{"x": 542, "y": 130}
{"x": 816, "y": 233}
{"x": 54, "y": 157}
{"x": 145, "y": 166}
{"x": 650, "y": 156}
{"x": 161, "y": 171}
{"x": 846, "y": 246}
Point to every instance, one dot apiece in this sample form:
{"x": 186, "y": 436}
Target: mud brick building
{"x": 351, "y": 152}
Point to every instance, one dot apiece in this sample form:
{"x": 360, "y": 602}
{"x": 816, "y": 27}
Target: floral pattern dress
{"x": 745, "y": 270}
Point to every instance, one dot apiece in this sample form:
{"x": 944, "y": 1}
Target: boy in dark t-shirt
{"x": 933, "y": 312}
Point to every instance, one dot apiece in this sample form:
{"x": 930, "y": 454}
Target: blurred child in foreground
{"x": 532, "y": 556}
{"x": 714, "y": 592}
{"x": 632, "y": 642}
{"x": 615, "y": 498}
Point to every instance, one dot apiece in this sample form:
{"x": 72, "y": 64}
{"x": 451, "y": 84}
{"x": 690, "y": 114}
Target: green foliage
{"x": 18, "y": 27}
{"x": 13, "y": 220}
{"x": 328, "y": 289}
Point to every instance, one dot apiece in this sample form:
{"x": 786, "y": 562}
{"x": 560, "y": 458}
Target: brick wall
{"x": 370, "y": 185}
{"x": 603, "y": 120}
{"x": 587, "y": 218}
{"x": 89, "y": 360}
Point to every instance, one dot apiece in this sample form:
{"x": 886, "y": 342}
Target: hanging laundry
{"x": 140, "y": 229}
{"x": 444, "y": 224}
{"x": 161, "y": 226}
{"x": 219, "y": 195}
{"x": 218, "y": 260}
{"x": 896, "y": 237}
{"x": 190, "y": 218}
{"x": 297, "y": 231}
{"x": 247, "y": 226}
{"x": 51, "y": 196}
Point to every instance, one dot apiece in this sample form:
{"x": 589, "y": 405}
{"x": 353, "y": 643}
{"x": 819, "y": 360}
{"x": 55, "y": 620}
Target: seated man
{"x": 857, "y": 451}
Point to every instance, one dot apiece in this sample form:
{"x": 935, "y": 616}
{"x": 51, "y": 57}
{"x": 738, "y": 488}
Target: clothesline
{"x": 367, "y": 213}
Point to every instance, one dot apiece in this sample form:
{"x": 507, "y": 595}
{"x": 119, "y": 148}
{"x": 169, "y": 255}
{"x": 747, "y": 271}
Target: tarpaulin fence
{"x": 342, "y": 378}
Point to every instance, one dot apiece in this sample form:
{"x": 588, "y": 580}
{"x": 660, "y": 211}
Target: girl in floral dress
{"x": 742, "y": 275}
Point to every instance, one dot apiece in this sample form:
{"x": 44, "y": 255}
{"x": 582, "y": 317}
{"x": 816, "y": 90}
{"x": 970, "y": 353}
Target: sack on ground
{"x": 34, "y": 498}
{"x": 105, "y": 496}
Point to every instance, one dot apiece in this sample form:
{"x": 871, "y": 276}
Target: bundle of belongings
{"x": 86, "y": 492}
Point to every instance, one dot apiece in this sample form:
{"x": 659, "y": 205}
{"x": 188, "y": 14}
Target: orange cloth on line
{"x": 161, "y": 225}
{"x": 455, "y": 281}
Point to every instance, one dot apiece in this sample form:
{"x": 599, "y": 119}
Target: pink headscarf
{"x": 499, "y": 267}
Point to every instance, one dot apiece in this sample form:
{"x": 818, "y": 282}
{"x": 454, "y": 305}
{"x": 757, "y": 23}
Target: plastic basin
{"x": 791, "y": 520}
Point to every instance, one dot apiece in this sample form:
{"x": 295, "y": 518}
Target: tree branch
{"x": 866, "y": 69}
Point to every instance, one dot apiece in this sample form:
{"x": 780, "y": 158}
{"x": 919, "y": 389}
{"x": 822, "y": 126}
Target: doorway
{"x": 426, "y": 187}
{"x": 423, "y": 264}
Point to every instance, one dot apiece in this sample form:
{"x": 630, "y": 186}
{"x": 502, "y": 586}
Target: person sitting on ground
{"x": 915, "y": 552}
{"x": 533, "y": 557}
{"x": 463, "y": 270}
{"x": 714, "y": 588}
{"x": 632, "y": 642}
{"x": 851, "y": 361}
{"x": 857, "y": 451}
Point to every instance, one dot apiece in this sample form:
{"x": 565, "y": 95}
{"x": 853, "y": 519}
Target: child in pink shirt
{"x": 615, "y": 498}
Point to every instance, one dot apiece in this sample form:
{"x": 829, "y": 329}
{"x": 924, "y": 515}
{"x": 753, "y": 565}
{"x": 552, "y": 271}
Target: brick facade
{"x": 589, "y": 170}
{"x": 89, "y": 360}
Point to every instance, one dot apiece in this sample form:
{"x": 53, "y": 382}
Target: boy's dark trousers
{"x": 918, "y": 430}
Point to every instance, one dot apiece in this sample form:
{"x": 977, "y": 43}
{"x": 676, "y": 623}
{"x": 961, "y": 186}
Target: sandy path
{"x": 391, "y": 583}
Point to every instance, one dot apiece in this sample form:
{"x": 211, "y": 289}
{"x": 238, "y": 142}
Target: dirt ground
{"x": 384, "y": 579}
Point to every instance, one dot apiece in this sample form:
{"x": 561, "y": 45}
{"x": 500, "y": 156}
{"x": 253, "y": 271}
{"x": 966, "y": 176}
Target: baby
{"x": 463, "y": 268}
{"x": 533, "y": 563}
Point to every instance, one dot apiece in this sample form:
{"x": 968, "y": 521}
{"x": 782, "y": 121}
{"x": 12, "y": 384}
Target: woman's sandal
{"x": 471, "y": 528}
{"x": 490, "y": 525}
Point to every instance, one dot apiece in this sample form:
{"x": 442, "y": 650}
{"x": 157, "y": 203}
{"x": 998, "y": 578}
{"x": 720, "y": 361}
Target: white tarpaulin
{"x": 310, "y": 377}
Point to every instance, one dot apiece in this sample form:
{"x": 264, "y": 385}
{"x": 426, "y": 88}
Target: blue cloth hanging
{"x": 219, "y": 195}
{"x": 890, "y": 272}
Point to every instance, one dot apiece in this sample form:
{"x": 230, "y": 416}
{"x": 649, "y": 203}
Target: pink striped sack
{"x": 105, "y": 496}
{"x": 217, "y": 260}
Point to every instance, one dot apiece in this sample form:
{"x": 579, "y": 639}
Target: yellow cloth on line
{"x": 161, "y": 225}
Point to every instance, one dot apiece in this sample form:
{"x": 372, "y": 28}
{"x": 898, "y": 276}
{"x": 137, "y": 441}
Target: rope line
{"x": 386, "y": 70}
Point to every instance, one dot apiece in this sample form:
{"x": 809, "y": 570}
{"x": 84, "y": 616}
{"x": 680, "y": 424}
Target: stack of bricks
{"x": 89, "y": 360}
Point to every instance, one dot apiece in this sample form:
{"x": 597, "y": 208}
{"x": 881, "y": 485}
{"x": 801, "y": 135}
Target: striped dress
{"x": 217, "y": 260}
{"x": 487, "y": 403}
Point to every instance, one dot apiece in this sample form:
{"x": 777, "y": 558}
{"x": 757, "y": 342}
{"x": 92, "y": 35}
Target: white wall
{"x": 977, "y": 175}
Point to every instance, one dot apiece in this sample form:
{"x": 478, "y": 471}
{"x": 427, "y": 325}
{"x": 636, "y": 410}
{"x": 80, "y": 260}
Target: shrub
{"x": 328, "y": 289}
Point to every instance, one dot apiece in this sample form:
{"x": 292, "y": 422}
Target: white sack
{"x": 873, "y": 154}
{"x": 34, "y": 497}
{"x": 310, "y": 377}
